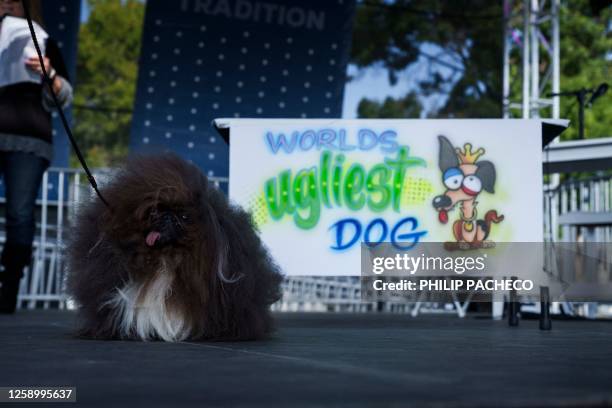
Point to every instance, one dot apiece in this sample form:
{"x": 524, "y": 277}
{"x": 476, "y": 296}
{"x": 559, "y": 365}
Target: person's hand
{"x": 33, "y": 63}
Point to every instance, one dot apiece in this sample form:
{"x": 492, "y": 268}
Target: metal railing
{"x": 583, "y": 197}
{"x": 580, "y": 209}
{"x": 43, "y": 283}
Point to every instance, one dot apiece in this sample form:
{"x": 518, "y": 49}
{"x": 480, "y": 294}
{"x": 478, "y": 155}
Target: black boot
{"x": 8, "y": 296}
{"x": 15, "y": 257}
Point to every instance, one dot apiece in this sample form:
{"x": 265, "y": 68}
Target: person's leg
{"x": 22, "y": 176}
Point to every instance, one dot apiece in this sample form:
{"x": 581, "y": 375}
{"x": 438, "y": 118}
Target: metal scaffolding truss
{"x": 532, "y": 28}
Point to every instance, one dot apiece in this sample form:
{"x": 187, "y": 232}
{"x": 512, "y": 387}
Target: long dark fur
{"x": 223, "y": 279}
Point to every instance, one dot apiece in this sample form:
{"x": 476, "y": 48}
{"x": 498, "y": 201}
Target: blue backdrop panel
{"x": 62, "y": 20}
{"x": 203, "y": 59}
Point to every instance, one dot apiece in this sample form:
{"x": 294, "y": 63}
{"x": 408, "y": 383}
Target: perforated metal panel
{"x": 202, "y": 60}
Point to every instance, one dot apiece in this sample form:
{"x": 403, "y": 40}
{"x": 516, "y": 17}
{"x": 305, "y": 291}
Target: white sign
{"x": 318, "y": 188}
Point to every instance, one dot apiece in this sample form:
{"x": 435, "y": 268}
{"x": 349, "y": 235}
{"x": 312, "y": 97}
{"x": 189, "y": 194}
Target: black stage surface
{"x": 323, "y": 359}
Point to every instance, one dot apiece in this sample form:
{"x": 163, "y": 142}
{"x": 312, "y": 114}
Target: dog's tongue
{"x": 443, "y": 216}
{"x": 152, "y": 237}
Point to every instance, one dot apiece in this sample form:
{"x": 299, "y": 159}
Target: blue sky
{"x": 84, "y": 11}
{"x": 372, "y": 83}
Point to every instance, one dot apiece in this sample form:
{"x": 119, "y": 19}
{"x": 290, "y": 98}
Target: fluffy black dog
{"x": 171, "y": 259}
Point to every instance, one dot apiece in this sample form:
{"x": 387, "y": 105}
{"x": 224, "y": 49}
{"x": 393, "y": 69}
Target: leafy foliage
{"x": 406, "y": 107}
{"x": 468, "y": 35}
{"x": 107, "y": 65}
{"x": 586, "y": 61}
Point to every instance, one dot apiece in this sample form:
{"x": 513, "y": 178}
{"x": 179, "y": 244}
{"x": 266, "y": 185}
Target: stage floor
{"x": 323, "y": 359}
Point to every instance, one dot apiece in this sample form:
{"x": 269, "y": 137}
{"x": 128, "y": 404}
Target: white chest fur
{"x": 140, "y": 310}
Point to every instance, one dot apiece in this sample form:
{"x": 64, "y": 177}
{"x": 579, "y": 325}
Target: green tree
{"x": 468, "y": 35}
{"x": 586, "y": 44}
{"x": 107, "y": 66}
{"x": 461, "y": 40}
{"x": 586, "y": 61}
{"x": 406, "y": 107}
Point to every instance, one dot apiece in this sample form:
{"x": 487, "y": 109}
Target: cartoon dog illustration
{"x": 465, "y": 177}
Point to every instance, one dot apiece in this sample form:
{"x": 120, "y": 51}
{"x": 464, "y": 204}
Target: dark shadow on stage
{"x": 323, "y": 359}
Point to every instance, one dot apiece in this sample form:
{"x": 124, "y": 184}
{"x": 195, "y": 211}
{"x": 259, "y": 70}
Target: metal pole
{"x": 545, "y": 323}
{"x": 556, "y": 50}
{"x": 507, "y": 10}
{"x": 526, "y": 59}
{"x": 535, "y": 59}
{"x": 513, "y": 306}
{"x": 581, "y": 97}
{"x": 556, "y": 88}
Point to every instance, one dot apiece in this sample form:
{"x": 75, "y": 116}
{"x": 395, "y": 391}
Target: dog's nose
{"x": 441, "y": 201}
{"x": 168, "y": 218}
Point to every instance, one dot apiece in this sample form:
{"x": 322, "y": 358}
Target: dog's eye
{"x": 473, "y": 184}
{"x": 184, "y": 217}
{"x": 453, "y": 178}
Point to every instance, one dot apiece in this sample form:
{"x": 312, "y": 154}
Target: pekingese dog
{"x": 171, "y": 259}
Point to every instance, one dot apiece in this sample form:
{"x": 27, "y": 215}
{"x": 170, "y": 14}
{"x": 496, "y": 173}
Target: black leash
{"x": 90, "y": 177}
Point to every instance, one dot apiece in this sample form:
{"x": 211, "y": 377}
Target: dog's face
{"x": 168, "y": 224}
{"x": 159, "y": 210}
{"x": 463, "y": 181}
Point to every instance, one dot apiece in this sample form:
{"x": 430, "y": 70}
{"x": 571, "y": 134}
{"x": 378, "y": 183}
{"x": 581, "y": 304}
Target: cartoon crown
{"x": 466, "y": 156}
